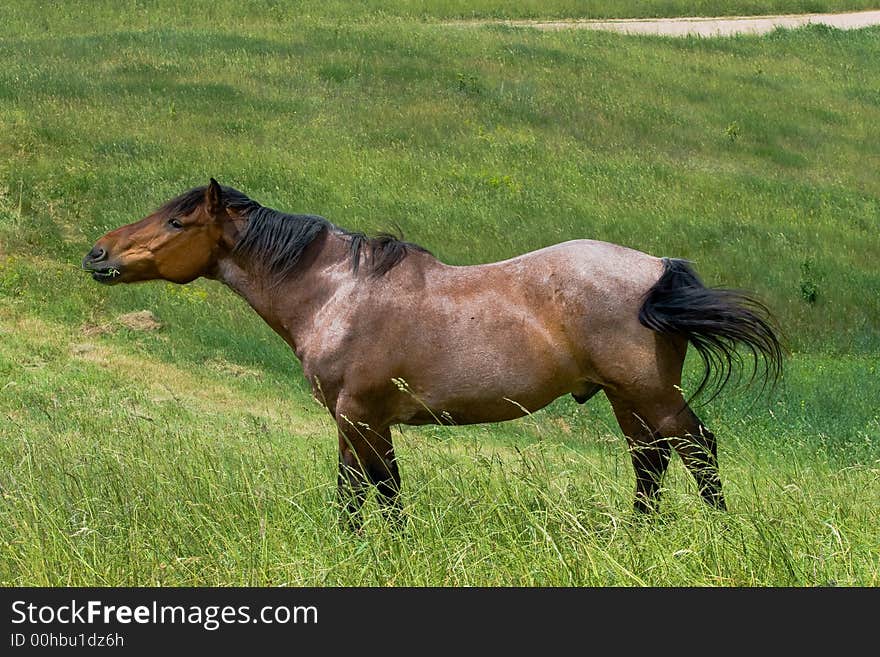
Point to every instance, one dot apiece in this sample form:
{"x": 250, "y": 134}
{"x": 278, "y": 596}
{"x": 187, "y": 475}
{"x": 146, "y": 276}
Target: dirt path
{"x": 724, "y": 26}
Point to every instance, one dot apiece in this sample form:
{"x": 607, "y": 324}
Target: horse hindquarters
{"x": 650, "y": 407}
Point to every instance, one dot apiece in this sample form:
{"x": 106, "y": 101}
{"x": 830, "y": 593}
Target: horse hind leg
{"x": 650, "y": 453}
{"x": 670, "y": 416}
{"x": 698, "y": 449}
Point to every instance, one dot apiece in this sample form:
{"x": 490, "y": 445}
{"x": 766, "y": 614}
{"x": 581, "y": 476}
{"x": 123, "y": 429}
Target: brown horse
{"x": 387, "y": 334}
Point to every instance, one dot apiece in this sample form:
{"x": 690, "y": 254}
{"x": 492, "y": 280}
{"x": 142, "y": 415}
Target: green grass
{"x": 270, "y": 14}
{"x": 194, "y": 455}
{"x": 122, "y": 469}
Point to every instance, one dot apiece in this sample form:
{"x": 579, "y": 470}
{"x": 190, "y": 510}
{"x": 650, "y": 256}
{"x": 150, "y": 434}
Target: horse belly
{"x": 470, "y": 411}
{"x": 470, "y": 386}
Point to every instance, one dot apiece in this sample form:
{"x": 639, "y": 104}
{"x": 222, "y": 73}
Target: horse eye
{"x": 174, "y": 222}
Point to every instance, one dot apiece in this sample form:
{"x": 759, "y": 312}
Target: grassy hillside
{"x": 133, "y": 14}
{"x": 193, "y": 455}
{"x": 753, "y": 157}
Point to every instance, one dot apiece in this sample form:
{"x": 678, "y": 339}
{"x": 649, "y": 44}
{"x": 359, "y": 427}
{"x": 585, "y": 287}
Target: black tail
{"x": 715, "y": 321}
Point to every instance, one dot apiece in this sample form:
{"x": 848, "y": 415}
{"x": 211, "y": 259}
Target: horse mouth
{"x": 104, "y": 274}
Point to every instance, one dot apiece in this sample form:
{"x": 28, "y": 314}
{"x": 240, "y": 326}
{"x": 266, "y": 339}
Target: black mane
{"x": 278, "y": 240}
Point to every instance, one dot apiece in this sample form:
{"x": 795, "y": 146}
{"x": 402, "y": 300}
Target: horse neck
{"x": 289, "y": 306}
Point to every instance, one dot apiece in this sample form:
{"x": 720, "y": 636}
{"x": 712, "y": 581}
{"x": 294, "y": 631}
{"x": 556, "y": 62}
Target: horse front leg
{"x": 351, "y": 483}
{"x": 384, "y": 474}
{"x": 367, "y": 456}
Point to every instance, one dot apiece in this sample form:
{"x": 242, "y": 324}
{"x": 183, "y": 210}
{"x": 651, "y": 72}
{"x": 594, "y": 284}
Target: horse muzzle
{"x": 98, "y": 264}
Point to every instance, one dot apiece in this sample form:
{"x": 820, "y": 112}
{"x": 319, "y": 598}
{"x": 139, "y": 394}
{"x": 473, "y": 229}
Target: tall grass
{"x": 123, "y": 470}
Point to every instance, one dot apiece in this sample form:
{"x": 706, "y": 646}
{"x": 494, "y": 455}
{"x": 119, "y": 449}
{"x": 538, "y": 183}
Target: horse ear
{"x": 214, "y": 196}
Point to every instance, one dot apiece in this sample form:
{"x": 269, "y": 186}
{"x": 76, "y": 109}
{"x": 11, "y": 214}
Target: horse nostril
{"x": 97, "y": 254}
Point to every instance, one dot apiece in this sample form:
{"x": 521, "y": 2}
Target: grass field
{"x": 102, "y": 15}
{"x": 193, "y": 455}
